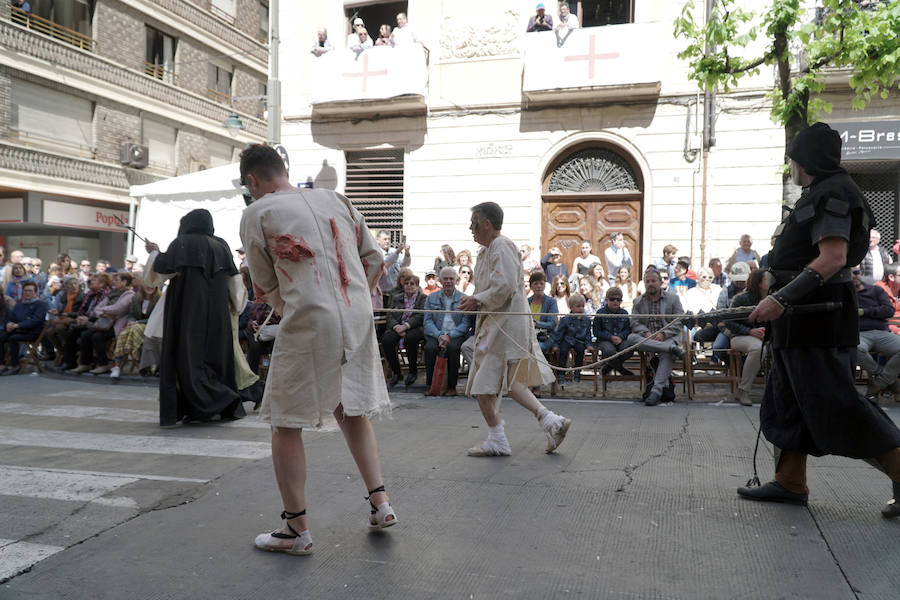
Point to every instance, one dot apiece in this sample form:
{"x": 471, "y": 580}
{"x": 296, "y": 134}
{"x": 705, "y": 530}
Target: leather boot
{"x": 892, "y": 510}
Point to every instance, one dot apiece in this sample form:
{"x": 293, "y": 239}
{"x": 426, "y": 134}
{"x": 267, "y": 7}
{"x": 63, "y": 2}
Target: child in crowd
{"x": 572, "y": 333}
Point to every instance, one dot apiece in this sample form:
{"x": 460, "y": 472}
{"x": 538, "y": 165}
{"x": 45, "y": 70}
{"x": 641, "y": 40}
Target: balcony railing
{"x": 48, "y": 27}
{"x": 40, "y": 142}
{"x": 218, "y": 96}
{"x": 160, "y": 72}
{"x": 225, "y": 16}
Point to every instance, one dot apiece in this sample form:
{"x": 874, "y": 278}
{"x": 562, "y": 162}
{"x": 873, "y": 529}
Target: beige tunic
{"x": 501, "y": 340}
{"x": 314, "y": 261}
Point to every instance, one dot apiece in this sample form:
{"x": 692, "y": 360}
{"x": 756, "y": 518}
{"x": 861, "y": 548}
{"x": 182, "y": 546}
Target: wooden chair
{"x": 31, "y": 351}
{"x": 706, "y": 371}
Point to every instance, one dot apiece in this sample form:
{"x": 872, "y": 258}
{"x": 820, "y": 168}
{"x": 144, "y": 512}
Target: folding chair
{"x": 31, "y": 351}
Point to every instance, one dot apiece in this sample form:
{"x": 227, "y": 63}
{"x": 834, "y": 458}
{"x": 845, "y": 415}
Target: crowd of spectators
{"x": 359, "y": 40}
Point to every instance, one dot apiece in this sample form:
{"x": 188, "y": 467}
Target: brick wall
{"x": 113, "y": 124}
{"x": 120, "y": 34}
{"x": 247, "y": 18}
{"x": 192, "y": 66}
{"x": 5, "y": 103}
{"x": 246, "y": 84}
{"x": 191, "y": 147}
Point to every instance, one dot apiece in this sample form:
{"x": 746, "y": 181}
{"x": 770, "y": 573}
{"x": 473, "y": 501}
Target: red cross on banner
{"x": 366, "y": 73}
{"x": 592, "y": 56}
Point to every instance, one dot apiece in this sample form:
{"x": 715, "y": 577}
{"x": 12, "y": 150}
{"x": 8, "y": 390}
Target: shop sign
{"x": 12, "y": 210}
{"x": 869, "y": 140}
{"x": 79, "y": 216}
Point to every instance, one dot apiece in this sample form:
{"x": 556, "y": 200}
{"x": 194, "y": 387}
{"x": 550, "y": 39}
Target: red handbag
{"x": 439, "y": 375}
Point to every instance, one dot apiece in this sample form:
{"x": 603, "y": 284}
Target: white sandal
{"x": 302, "y": 541}
{"x": 379, "y": 517}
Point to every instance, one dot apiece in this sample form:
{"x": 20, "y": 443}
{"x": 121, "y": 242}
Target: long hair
{"x": 449, "y": 255}
{"x": 753, "y": 283}
{"x": 555, "y": 288}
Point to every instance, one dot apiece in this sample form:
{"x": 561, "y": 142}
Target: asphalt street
{"x": 96, "y": 501}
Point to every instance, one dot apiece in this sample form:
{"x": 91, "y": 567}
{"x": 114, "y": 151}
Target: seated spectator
{"x": 690, "y": 272}
{"x": 405, "y": 330}
{"x": 104, "y": 266}
{"x": 743, "y": 253}
{"x": 875, "y": 308}
{"x": 662, "y": 338}
{"x": 39, "y": 277}
{"x": 543, "y": 308}
{"x": 353, "y": 37}
{"x": 552, "y": 264}
{"x": 599, "y": 277}
{"x": 54, "y": 284}
{"x": 703, "y": 299}
{"x": 65, "y": 265}
{"x": 611, "y": 333}
{"x": 890, "y": 283}
{"x": 566, "y": 19}
{"x": 445, "y": 258}
{"x": 106, "y": 320}
{"x": 99, "y": 285}
{"x": 582, "y": 263}
{"x": 560, "y": 292}
{"x": 445, "y": 333}
{"x": 403, "y": 35}
{"x": 384, "y": 36}
{"x": 431, "y": 282}
{"x": 720, "y": 277}
{"x": 746, "y": 337}
{"x": 528, "y": 261}
{"x": 617, "y": 255}
{"x": 403, "y": 273}
{"x": 667, "y": 262}
{"x": 572, "y": 333}
{"x": 465, "y": 284}
{"x": 17, "y": 280}
{"x": 681, "y": 284}
{"x": 876, "y": 258}
{"x": 84, "y": 274}
{"x": 131, "y": 264}
{"x": 364, "y": 43}
{"x": 740, "y": 272}
{"x": 63, "y": 310}
{"x": 464, "y": 259}
{"x": 23, "y": 323}
{"x": 592, "y": 293}
{"x": 130, "y": 339}
{"x": 626, "y": 286}
{"x": 322, "y": 43}
{"x": 525, "y": 283}
{"x": 540, "y": 21}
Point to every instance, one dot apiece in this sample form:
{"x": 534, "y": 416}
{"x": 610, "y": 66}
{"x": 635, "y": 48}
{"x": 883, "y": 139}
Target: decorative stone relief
{"x": 473, "y": 37}
{"x": 594, "y": 170}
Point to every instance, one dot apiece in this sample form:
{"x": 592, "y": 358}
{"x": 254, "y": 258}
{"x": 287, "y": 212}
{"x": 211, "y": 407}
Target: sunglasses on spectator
{"x": 465, "y": 272}
{"x": 856, "y": 271}
{"x": 614, "y": 299}
{"x": 664, "y": 277}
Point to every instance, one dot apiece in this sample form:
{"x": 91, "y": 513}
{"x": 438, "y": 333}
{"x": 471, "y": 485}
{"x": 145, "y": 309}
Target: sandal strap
{"x": 380, "y": 488}
{"x": 285, "y": 515}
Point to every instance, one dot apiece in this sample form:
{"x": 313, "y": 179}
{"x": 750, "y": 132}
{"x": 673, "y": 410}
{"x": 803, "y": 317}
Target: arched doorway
{"x": 590, "y": 192}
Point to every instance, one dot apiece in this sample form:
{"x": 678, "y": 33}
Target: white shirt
{"x": 403, "y": 35}
{"x": 877, "y": 264}
{"x": 570, "y": 22}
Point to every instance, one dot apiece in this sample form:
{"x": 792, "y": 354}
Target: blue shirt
{"x": 434, "y": 322}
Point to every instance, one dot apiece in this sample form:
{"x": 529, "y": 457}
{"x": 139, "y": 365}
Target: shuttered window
{"x": 375, "y": 186}
{"x": 219, "y": 154}
{"x": 880, "y": 184}
{"x": 160, "y": 138}
{"x": 42, "y": 116}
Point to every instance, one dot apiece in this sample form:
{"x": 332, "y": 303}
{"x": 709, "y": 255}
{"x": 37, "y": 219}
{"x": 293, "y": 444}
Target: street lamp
{"x": 233, "y": 123}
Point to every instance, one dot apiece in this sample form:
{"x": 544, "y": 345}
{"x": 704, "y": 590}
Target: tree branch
{"x": 827, "y": 59}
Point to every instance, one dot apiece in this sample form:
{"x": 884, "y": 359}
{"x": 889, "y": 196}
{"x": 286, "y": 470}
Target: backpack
{"x": 668, "y": 394}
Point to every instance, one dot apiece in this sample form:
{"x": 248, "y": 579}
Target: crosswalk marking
{"x": 70, "y": 487}
{"x": 114, "y": 442}
{"x": 37, "y": 471}
{"x": 16, "y": 557}
{"x": 104, "y": 413}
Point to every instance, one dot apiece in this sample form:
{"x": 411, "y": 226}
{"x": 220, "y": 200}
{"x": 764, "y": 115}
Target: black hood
{"x": 818, "y": 150}
{"x": 197, "y": 221}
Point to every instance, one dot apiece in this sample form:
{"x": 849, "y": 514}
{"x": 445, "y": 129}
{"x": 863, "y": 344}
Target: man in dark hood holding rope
{"x": 811, "y": 405}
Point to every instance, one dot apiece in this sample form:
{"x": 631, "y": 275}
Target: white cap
{"x": 358, "y": 21}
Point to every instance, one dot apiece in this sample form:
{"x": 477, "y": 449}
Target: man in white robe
{"x": 314, "y": 261}
{"x": 507, "y": 357}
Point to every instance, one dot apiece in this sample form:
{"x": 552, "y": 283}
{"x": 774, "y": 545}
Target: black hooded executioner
{"x": 196, "y": 368}
{"x": 811, "y": 405}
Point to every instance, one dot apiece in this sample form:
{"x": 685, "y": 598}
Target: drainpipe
{"x": 709, "y": 139}
{"x": 274, "y": 100}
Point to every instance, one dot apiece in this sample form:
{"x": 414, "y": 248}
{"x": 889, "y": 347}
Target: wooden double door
{"x": 567, "y": 221}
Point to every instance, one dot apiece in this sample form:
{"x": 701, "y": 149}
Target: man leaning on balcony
{"x": 22, "y": 5}
{"x": 566, "y": 19}
{"x": 322, "y": 43}
{"x": 540, "y": 21}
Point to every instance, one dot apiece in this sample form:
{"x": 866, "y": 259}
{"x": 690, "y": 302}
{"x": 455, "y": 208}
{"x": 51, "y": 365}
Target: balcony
{"x": 380, "y": 79}
{"x": 54, "y": 30}
{"x": 593, "y": 64}
{"x": 160, "y": 72}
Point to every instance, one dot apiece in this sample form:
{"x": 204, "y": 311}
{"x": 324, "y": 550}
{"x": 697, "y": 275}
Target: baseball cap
{"x": 241, "y": 250}
{"x": 740, "y": 271}
{"x": 555, "y": 250}
{"x": 431, "y": 273}
{"x": 131, "y": 258}
{"x": 540, "y": 6}
{"x": 358, "y": 21}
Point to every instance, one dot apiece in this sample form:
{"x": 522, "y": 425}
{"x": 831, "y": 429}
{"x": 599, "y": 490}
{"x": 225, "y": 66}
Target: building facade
{"x": 97, "y": 95}
{"x": 577, "y": 134}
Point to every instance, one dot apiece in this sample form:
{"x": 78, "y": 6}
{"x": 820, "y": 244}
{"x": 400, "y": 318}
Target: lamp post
{"x": 233, "y": 123}
{"x": 274, "y": 85}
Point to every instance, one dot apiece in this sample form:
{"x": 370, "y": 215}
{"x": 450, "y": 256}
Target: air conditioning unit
{"x": 134, "y": 155}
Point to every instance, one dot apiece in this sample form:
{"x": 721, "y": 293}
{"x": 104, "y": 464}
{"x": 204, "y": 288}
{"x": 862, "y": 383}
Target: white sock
{"x": 497, "y": 430}
{"x": 543, "y": 411}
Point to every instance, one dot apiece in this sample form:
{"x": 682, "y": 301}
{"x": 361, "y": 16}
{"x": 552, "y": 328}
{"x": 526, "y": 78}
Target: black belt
{"x": 784, "y": 276}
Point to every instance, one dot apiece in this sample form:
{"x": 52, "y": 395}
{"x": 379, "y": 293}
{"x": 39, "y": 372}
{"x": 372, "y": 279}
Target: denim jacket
{"x": 574, "y": 329}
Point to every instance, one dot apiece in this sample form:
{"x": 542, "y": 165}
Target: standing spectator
{"x": 84, "y": 274}
{"x": 242, "y": 256}
{"x": 566, "y": 19}
{"x": 403, "y": 35}
{"x": 364, "y": 43}
{"x": 720, "y": 277}
{"x": 627, "y": 287}
{"x": 394, "y": 260}
{"x": 384, "y": 36}
{"x": 617, "y": 255}
{"x": 746, "y": 337}
{"x": 353, "y": 37}
{"x": 131, "y": 264}
{"x": 464, "y": 259}
{"x": 661, "y": 338}
{"x": 465, "y": 284}
{"x": 15, "y": 258}
{"x": 552, "y": 264}
{"x": 876, "y": 258}
{"x": 743, "y": 253}
{"x": 405, "y": 330}
{"x": 582, "y": 263}
{"x": 445, "y": 333}
{"x": 445, "y": 258}
{"x": 23, "y": 323}
{"x": 572, "y": 333}
{"x": 431, "y": 282}
{"x": 65, "y": 264}
{"x": 875, "y": 308}
{"x": 668, "y": 260}
{"x": 130, "y": 339}
{"x": 22, "y": 5}
{"x": 540, "y": 21}
{"x": 543, "y": 308}
{"x": 528, "y": 262}
{"x": 560, "y": 292}
{"x": 322, "y": 43}
{"x": 891, "y": 285}
{"x": 612, "y": 333}
{"x": 681, "y": 284}
{"x": 38, "y": 276}
{"x": 18, "y": 277}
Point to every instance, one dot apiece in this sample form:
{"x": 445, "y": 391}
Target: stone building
{"x": 577, "y": 134}
{"x": 97, "y": 95}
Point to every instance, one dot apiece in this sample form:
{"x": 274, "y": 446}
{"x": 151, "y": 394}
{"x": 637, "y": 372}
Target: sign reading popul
{"x": 869, "y": 140}
{"x": 83, "y": 217}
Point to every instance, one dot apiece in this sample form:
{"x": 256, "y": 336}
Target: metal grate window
{"x": 880, "y": 189}
{"x": 375, "y": 186}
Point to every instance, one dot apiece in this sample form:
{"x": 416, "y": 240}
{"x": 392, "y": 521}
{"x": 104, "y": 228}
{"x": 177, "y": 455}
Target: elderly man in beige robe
{"x": 314, "y": 261}
{"x": 507, "y": 357}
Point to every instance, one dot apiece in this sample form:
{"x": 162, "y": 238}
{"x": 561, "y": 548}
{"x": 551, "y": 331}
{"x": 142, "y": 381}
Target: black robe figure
{"x": 197, "y": 380}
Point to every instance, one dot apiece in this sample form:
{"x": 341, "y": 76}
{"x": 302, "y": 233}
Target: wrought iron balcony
{"x": 54, "y": 30}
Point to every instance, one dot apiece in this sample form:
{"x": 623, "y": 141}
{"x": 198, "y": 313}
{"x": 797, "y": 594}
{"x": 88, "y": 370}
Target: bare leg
{"x": 363, "y": 447}
{"x": 525, "y": 398}
{"x": 488, "y": 406}
{"x": 289, "y": 459}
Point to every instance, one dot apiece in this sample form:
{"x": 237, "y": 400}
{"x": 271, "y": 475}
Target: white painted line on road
{"x": 104, "y": 474}
{"x": 104, "y": 413}
{"x": 142, "y": 394}
{"x": 16, "y": 557}
{"x": 68, "y": 487}
{"x": 142, "y": 444}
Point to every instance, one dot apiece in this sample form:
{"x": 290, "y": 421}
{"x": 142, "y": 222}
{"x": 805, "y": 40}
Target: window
{"x": 263, "y": 100}
{"x": 224, "y": 9}
{"x": 375, "y": 186}
{"x": 219, "y": 83}
{"x": 45, "y": 117}
{"x": 602, "y": 12}
{"x": 263, "y": 32}
{"x": 219, "y": 154}
{"x": 160, "y": 139}
{"x": 71, "y": 14}
{"x": 375, "y": 14}
{"x": 879, "y": 184}
{"x": 160, "y": 55}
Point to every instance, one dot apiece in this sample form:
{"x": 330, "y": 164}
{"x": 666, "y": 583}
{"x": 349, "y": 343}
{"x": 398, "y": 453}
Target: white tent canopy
{"x": 163, "y": 203}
